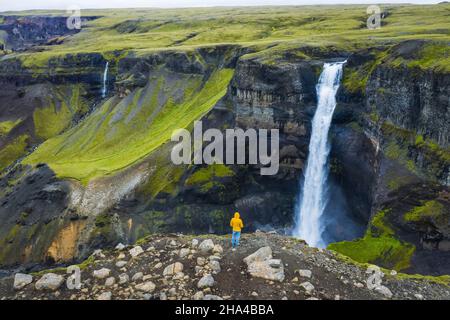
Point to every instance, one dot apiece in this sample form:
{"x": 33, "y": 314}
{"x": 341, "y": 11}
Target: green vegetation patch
{"x": 56, "y": 116}
{"x": 13, "y": 151}
{"x": 205, "y": 177}
{"x": 431, "y": 56}
{"x": 400, "y": 144}
{"x": 123, "y": 131}
{"x": 378, "y": 246}
{"x": 343, "y": 27}
{"x": 7, "y": 126}
{"x": 430, "y": 209}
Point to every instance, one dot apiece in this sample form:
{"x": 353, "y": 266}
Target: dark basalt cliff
{"x": 389, "y": 150}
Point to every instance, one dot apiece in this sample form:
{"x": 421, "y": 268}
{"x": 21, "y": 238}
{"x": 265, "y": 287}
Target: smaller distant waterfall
{"x": 105, "y": 78}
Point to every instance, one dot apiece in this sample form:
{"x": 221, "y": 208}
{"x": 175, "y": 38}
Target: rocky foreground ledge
{"x": 179, "y": 267}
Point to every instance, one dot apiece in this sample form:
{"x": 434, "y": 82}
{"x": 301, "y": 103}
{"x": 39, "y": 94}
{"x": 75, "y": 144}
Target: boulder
{"x": 305, "y": 273}
{"x": 121, "y": 263}
{"x": 136, "y": 251}
{"x": 260, "y": 264}
{"x": 137, "y": 276}
{"x": 206, "y": 246}
{"x": 218, "y": 249}
{"x": 384, "y": 291}
{"x": 173, "y": 269}
{"x": 105, "y": 296}
{"x": 124, "y": 278}
{"x": 147, "y": 287}
{"x": 215, "y": 266}
{"x": 49, "y": 281}
{"x": 206, "y": 281}
{"x": 309, "y": 288}
{"x": 21, "y": 280}
{"x": 101, "y": 273}
{"x": 110, "y": 282}
{"x": 184, "y": 252}
{"x": 261, "y": 254}
{"x": 120, "y": 246}
{"x": 198, "y": 295}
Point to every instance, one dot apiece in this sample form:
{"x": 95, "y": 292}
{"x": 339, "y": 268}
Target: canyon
{"x": 85, "y": 150}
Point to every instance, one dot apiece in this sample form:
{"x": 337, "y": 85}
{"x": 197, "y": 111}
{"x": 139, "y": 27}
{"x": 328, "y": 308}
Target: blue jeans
{"x": 235, "y": 238}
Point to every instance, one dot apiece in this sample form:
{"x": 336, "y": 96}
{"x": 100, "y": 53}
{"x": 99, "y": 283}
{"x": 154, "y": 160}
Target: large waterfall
{"x": 313, "y": 197}
{"x": 105, "y": 78}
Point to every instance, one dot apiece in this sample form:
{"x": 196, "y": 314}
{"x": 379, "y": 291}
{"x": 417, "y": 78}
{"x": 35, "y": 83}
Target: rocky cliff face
{"x": 22, "y": 32}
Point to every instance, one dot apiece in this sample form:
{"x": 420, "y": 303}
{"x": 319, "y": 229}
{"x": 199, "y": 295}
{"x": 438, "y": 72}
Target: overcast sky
{"x": 6, "y": 5}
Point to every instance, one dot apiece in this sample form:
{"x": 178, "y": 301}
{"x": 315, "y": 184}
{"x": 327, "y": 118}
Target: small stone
{"x": 98, "y": 253}
{"x": 172, "y": 292}
{"x": 137, "y": 276}
{"x": 21, "y": 280}
{"x": 158, "y": 265}
{"x": 121, "y": 256}
{"x": 206, "y": 246}
{"x": 110, "y": 282}
{"x": 121, "y": 264}
{"x": 218, "y": 249}
{"x": 194, "y": 243}
{"x": 148, "y": 287}
{"x": 307, "y": 286}
{"x": 105, "y": 296}
{"x": 312, "y": 298}
{"x": 101, "y": 273}
{"x": 162, "y": 296}
{"x": 254, "y": 294}
{"x": 212, "y": 297}
{"x": 120, "y": 246}
{"x": 418, "y": 296}
{"x": 337, "y": 297}
{"x": 358, "y": 285}
{"x": 206, "y": 281}
{"x": 184, "y": 252}
{"x": 305, "y": 273}
{"x": 393, "y": 272}
{"x": 136, "y": 251}
{"x": 384, "y": 291}
{"x": 173, "y": 243}
{"x": 215, "y": 266}
{"x": 173, "y": 268}
{"x": 201, "y": 261}
{"x": 295, "y": 279}
{"x": 178, "y": 276}
{"x": 49, "y": 281}
{"x": 296, "y": 292}
{"x": 147, "y": 277}
{"x": 199, "y": 295}
{"x": 124, "y": 278}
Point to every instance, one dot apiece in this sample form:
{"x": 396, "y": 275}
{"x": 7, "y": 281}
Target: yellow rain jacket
{"x": 236, "y": 223}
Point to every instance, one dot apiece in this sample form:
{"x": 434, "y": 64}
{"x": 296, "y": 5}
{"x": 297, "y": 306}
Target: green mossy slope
{"x": 378, "y": 246}
{"x": 123, "y": 131}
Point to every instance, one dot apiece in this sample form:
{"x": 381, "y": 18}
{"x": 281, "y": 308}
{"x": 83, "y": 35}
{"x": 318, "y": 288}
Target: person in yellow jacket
{"x": 237, "y": 225}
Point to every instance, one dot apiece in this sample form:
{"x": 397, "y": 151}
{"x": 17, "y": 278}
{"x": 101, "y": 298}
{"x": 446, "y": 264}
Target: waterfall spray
{"x": 105, "y": 77}
{"x": 313, "y": 197}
